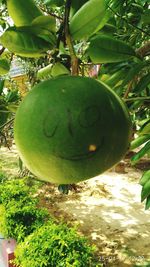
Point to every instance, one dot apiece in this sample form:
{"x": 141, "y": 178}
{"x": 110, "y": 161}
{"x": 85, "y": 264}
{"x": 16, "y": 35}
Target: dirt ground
{"x": 107, "y": 209}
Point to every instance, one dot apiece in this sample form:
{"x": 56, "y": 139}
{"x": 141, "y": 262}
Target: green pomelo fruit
{"x": 69, "y": 129}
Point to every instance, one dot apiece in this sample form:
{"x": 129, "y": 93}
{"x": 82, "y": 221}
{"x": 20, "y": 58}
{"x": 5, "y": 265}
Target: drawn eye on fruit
{"x": 51, "y": 122}
{"x": 87, "y": 118}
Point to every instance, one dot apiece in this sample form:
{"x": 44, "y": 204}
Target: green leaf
{"x": 44, "y": 34}
{"x": 105, "y": 49}
{"x": 23, "y": 43}
{"x": 145, "y": 191}
{"x": 45, "y": 22}
{"x": 12, "y": 107}
{"x": 1, "y": 85}
{"x": 145, "y": 178}
{"x": 88, "y": 19}
{"x": 108, "y": 29}
{"x": 12, "y": 96}
{"x": 146, "y": 17}
{"x": 135, "y": 69}
{"x": 76, "y": 5}
{"x": 116, "y": 77}
{"x": 59, "y": 69}
{"x": 146, "y": 128}
{"x": 23, "y": 12}
{"x": 43, "y": 27}
{"x": 147, "y": 205}
{"x": 54, "y": 2}
{"x": 139, "y": 141}
{"x": 20, "y": 164}
{"x": 44, "y": 72}
{"x": 52, "y": 70}
{"x": 136, "y": 104}
{"x": 141, "y": 153}
{"x": 143, "y": 83}
{"x": 4, "y": 66}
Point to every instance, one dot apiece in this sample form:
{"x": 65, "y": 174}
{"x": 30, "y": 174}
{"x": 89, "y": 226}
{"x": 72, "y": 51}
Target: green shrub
{"x": 19, "y": 213}
{"x": 20, "y": 220}
{"x": 55, "y": 245}
{"x": 40, "y": 243}
{"x": 2, "y": 219}
{"x": 15, "y": 190}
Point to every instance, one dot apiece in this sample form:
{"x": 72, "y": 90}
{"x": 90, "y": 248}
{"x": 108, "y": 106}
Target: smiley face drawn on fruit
{"x": 88, "y": 118}
{"x": 70, "y": 129}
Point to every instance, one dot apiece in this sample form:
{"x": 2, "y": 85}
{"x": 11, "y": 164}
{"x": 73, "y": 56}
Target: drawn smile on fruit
{"x": 93, "y": 149}
{"x": 87, "y": 118}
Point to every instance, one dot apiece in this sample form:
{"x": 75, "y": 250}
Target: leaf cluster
{"x": 41, "y": 240}
{"x": 55, "y": 245}
{"x": 19, "y": 213}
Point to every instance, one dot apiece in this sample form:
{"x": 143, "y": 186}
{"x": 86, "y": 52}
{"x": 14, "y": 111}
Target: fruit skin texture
{"x": 69, "y": 129}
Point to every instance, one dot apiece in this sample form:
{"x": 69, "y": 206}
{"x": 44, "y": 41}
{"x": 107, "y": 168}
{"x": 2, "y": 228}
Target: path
{"x": 108, "y": 211}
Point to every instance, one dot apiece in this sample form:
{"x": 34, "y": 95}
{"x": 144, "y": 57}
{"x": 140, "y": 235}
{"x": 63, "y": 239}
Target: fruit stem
{"x": 74, "y": 59}
{"x": 129, "y": 89}
{"x": 142, "y": 98}
{"x": 7, "y": 123}
{"x": 144, "y": 50}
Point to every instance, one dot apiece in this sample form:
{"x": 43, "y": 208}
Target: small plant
{"x": 21, "y": 219}
{"x": 15, "y": 190}
{"x": 55, "y": 245}
{"x": 19, "y": 213}
{"x": 3, "y": 177}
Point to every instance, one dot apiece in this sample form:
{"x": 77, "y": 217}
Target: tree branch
{"x": 74, "y": 59}
{"x": 142, "y": 98}
{"x": 2, "y": 50}
{"x": 6, "y": 123}
{"x": 51, "y": 14}
{"x": 129, "y": 89}
{"x": 144, "y": 50}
